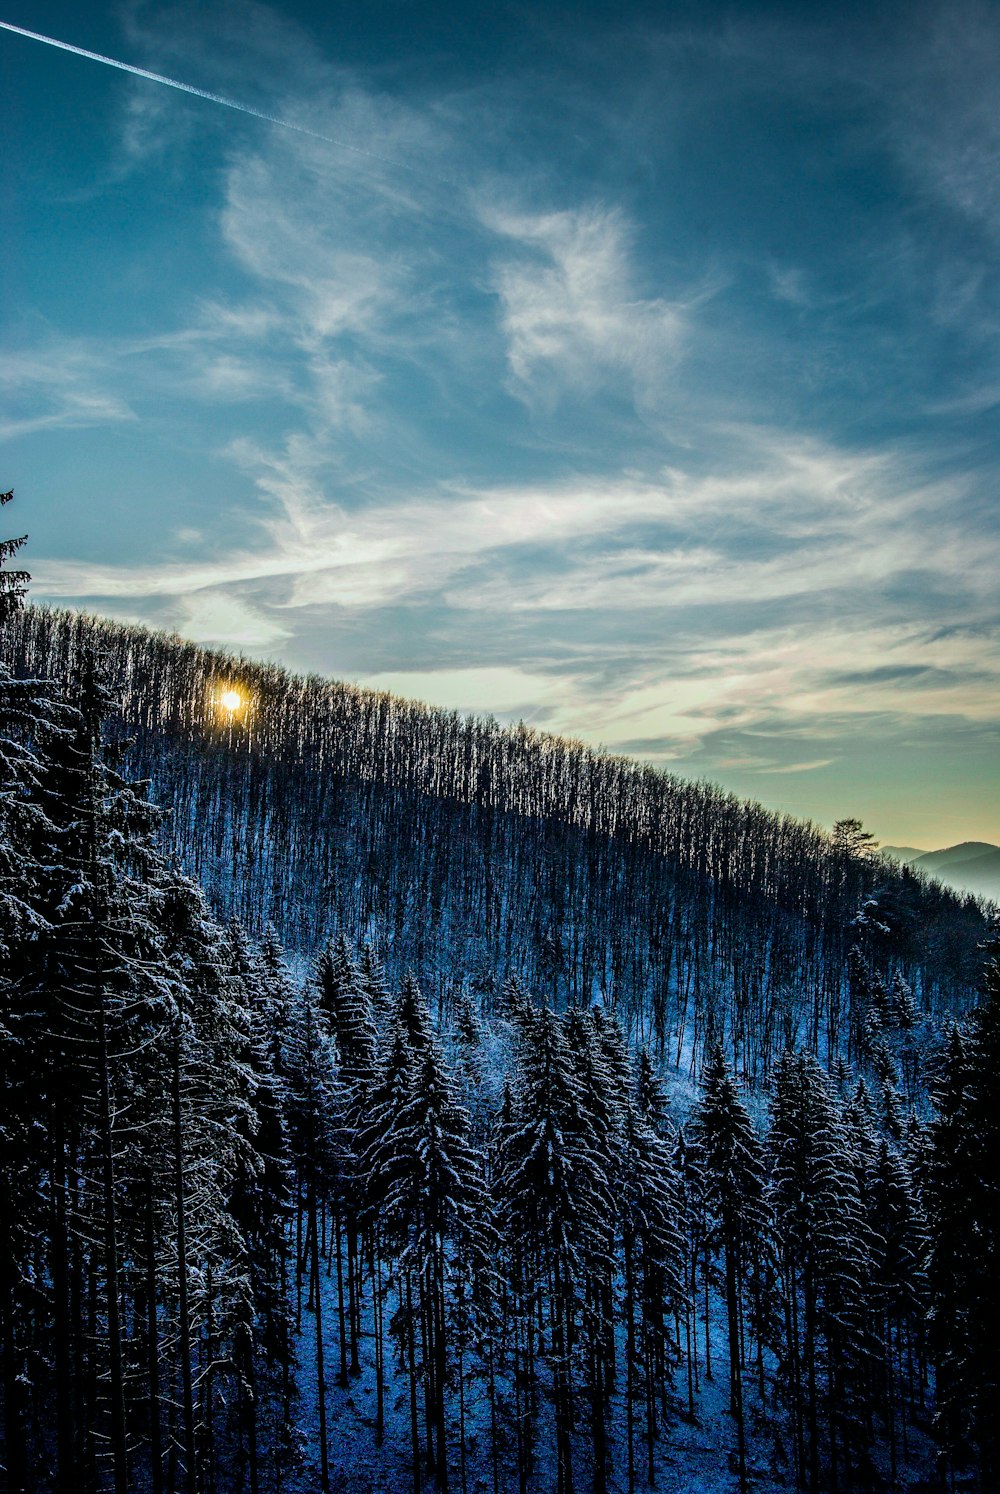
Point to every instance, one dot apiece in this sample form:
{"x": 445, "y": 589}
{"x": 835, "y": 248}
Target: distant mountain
{"x": 960, "y": 855}
{"x": 971, "y": 866}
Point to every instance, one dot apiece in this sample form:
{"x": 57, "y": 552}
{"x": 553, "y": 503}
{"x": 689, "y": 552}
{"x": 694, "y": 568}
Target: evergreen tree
{"x": 825, "y": 1253}
{"x": 320, "y": 1146}
{"x": 964, "y": 1207}
{"x": 345, "y": 1001}
{"x": 898, "y": 1233}
{"x": 734, "y": 1178}
{"x": 652, "y": 1100}
{"x": 262, "y": 1204}
{"x": 106, "y": 992}
{"x": 652, "y": 1245}
{"x": 435, "y": 1217}
{"x": 554, "y": 1201}
{"x": 29, "y": 721}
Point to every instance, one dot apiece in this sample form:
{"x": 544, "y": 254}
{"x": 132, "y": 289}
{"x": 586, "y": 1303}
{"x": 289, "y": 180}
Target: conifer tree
{"x": 29, "y": 719}
{"x": 320, "y": 1145}
{"x": 605, "y": 1080}
{"x": 435, "y": 1216}
{"x": 689, "y": 1171}
{"x": 652, "y": 1246}
{"x": 262, "y": 1206}
{"x": 964, "y": 1207}
{"x": 652, "y": 1100}
{"x": 825, "y": 1252}
{"x": 346, "y": 1003}
{"x": 898, "y": 1232}
{"x": 734, "y": 1179}
{"x": 109, "y": 992}
{"x": 553, "y": 1200}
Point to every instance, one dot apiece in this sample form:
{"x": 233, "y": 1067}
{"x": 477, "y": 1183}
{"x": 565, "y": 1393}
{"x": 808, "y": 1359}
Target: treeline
{"x": 455, "y": 844}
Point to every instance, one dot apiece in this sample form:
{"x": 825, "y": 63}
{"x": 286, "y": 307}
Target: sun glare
{"x": 231, "y": 701}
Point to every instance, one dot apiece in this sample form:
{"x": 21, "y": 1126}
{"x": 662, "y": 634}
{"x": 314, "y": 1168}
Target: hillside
{"x": 633, "y": 1186}
{"x": 468, "y": 851}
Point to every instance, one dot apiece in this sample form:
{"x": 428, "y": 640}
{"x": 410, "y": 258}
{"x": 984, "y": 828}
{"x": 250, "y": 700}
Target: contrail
{"x": 201, "y": 93}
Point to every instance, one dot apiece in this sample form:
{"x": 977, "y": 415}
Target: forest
{"x": 397, "y": 1101}
{"x": 468, "y": 852}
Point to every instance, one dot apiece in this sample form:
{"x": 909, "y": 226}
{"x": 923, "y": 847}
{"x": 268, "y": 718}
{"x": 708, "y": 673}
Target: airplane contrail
{"x": 201, "y": 93}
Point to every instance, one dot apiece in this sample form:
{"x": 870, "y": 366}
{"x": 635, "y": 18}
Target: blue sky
{"x": 635, "y": 373}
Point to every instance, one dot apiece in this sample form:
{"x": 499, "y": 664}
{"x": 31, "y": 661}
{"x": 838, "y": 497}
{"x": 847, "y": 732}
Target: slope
{"x": 469, "y": 852}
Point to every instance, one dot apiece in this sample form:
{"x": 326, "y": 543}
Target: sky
{"x": 630, "y": 370}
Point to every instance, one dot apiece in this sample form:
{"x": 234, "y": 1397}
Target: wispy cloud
{"x": 946, "y": 98}
{"x": 219, "y": 617}
{"x": 59, "y": 384}
{"x": 820, "y": 762}
{"x": 571, "y": 313}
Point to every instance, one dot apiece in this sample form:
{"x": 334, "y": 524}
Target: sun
{"x": 231, "y": 701}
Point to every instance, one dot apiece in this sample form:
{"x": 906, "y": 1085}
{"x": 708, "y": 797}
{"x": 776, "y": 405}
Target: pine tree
{"x": 344, "y": 998}
{"x": 262, "y": 1206}
{"x": 689, "y": 1170}
{"x": 605, "y": 1081}
{"x": 29, "y": 721}
{"x": 964, "y": 1208}
{"x": 320, "y": 1145}
{"x": 825, "y": 1252}
{"x": 553, "y": 1200}
{"x": 375, "y": 1146}
{"x": 652, "y": 1100}
{"x": 411, "y": 1017}
{"x": 734, "y": 1177}
{"x": 898, "y": 1233}
{"x": 346, "y": 1004}
{"x": 376, "y": 988}
{"x": 435, "y": 1217}
{"x": 652, "y": 1245}
{"x": 213, "y": 1144}
{"x": 106, "y": 991}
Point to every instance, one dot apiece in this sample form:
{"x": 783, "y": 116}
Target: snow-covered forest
{"x": 468, "y": 852}
{"x": 411, "y": 1103}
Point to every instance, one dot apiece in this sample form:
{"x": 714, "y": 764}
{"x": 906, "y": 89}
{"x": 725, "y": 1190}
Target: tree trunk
{"x": 153, "y": 1347}
{"x": 119, "y": 1445}
{"x": 324, "y": 1455}
{"x": 183, "y": 1309}
{"x": 735, "y": 1366}
{"x": 13, "y": 1395}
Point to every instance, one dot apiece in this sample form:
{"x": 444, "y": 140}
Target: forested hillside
{"x": 468, "y": 852}
{"x": 657, "y": 1168}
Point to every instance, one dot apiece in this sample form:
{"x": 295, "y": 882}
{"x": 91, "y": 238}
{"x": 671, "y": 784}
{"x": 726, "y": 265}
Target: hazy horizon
{"x": 633, "y": 376}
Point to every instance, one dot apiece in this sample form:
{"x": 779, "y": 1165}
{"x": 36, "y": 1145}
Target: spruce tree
{"x": 107, "y": 992}
{"x": 434, "y": 1215}
{"x": 554, "y": 1202}
{"x": 320, "y": 1141}
{"x": 964, "y": 1207}
{"x": 652, "y": 1247}
{"x": 29, "y": 720}
{"x": 734, "y": 1178}
{"x": 825, "y": 1251}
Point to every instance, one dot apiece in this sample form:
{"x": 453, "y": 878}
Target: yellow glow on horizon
{"x": 231, "y": 701}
